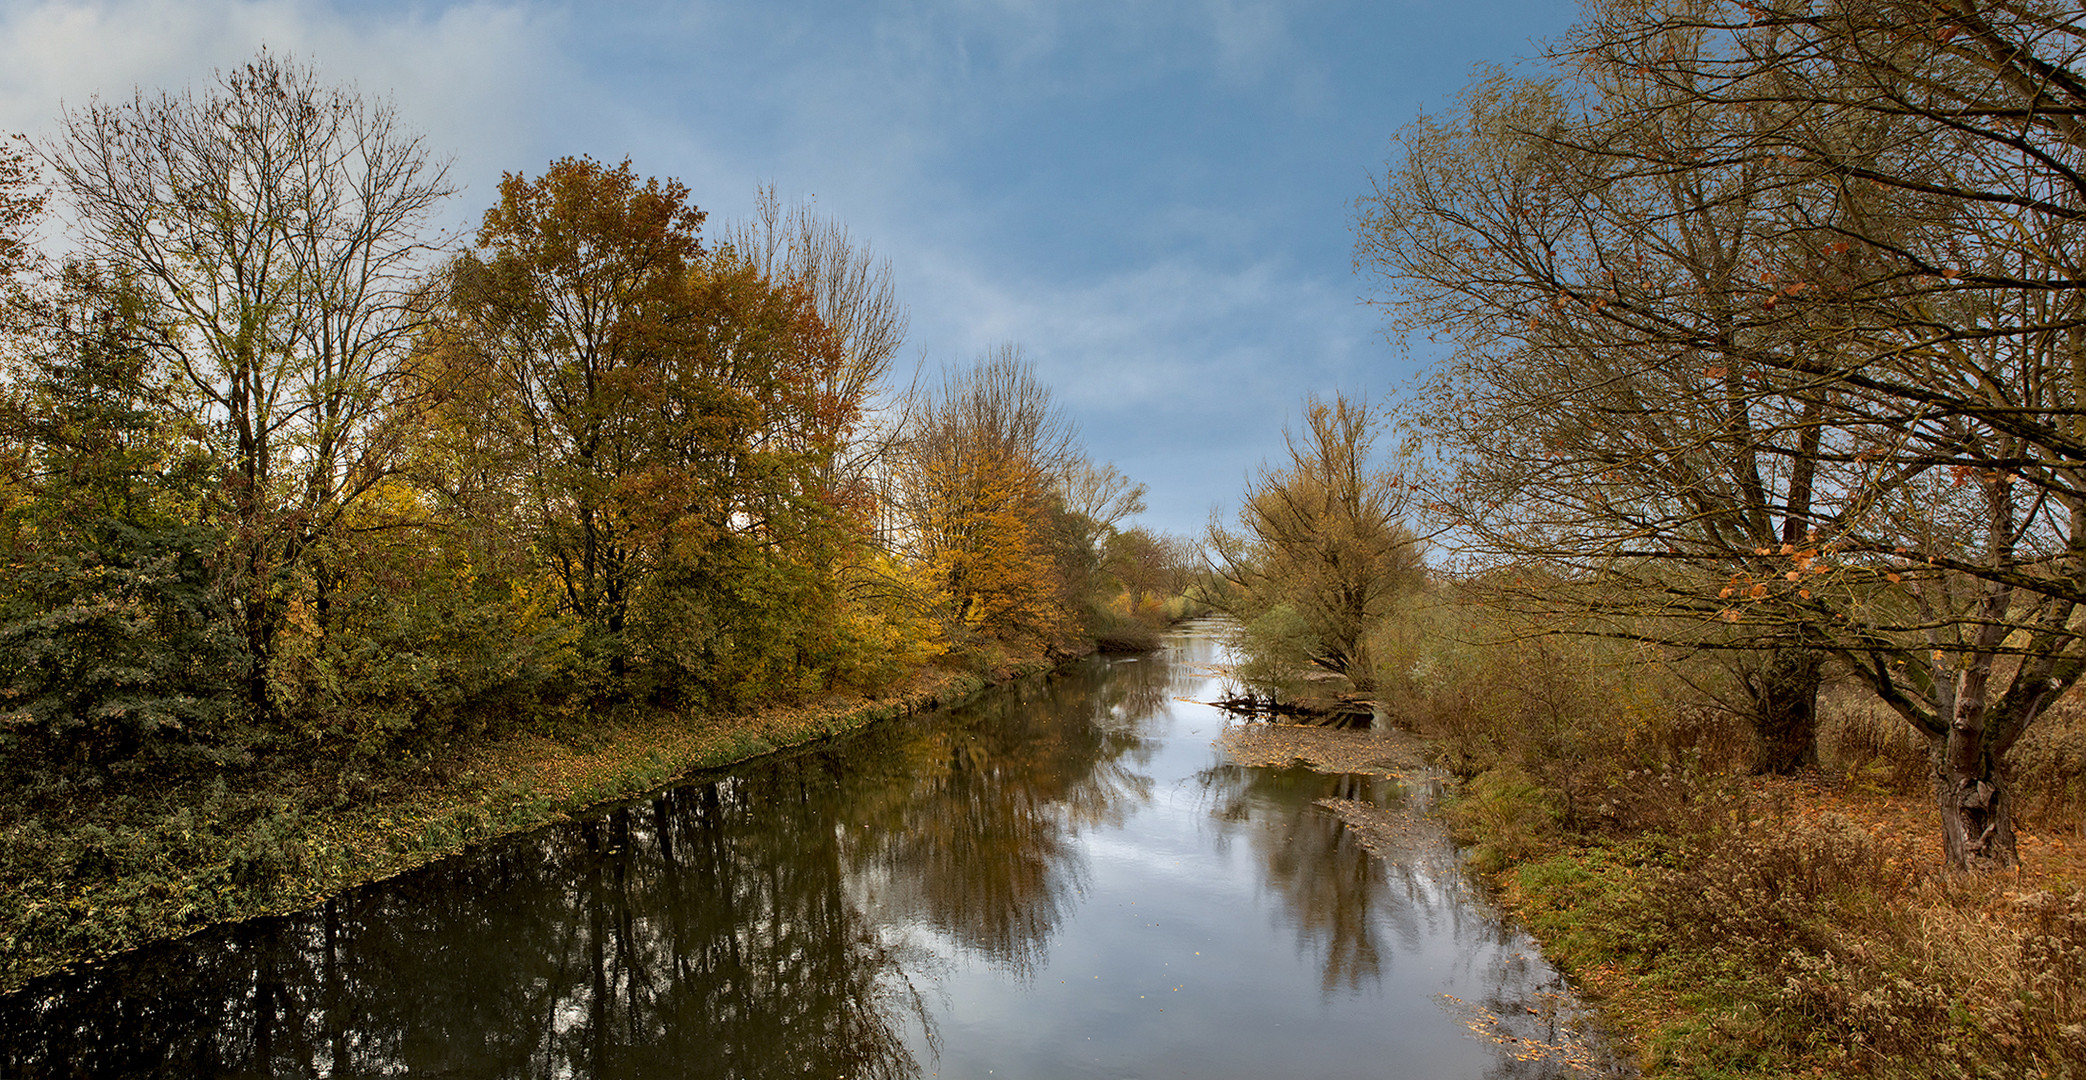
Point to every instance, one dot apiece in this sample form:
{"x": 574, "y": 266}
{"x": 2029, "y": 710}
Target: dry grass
{"x": 1737, "y": 926}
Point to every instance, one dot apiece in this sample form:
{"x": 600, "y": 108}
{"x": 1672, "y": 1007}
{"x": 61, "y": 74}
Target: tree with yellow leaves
{"x": 978, "y": 478}
{"x": 1321, "y": 551}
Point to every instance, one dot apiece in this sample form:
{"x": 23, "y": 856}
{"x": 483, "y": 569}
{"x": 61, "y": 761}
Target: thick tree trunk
{"x": 1784, "y": 717}
{"x": 1977, "y": 810}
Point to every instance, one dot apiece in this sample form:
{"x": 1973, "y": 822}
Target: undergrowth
{"x": 1727, "y": 925}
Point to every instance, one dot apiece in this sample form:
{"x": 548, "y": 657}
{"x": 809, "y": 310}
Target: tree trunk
{"x": 1977, "y": 811}
{"x": 1784, "y": 716}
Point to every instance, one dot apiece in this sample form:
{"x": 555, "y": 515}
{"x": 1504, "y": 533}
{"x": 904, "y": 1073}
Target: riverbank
{"x": 1806, "y": 927}
{"x": 123, "y": 867}
{"x": 1762, "y": 926}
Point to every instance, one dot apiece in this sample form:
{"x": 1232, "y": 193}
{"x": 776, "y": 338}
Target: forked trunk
{"x": 1977, "y": 811}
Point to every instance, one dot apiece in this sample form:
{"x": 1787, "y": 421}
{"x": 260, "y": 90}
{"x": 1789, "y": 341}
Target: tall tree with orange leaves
{"x": 662, "y": 416}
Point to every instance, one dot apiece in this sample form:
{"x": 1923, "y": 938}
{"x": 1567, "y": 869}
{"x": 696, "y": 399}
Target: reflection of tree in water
{"x": 972, "y": 832}
{"x": 727, "y": 929}
{"x": 703, "y": 935}
{"x": 1340, "y": 899}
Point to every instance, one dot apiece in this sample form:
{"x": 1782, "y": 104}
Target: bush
{"x": 2049, "y": 770}
{"x": 1608, "y": 786}
{"x": 115, "y": 647}
{"x": 416, "y": 645}
{"x": 1869, "y": 746}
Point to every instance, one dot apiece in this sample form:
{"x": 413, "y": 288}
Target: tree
{"x": 1952, "y": 131}
{"x": 275, "y": 228}
{"x": 1946, "y": 141}
{"x": 849, "y": 286}
{"x": 21, "y": 206}
{"x": 980, "y": 462}
{"x": 577, "y": 292}
{"x": 1753, "y": 353}
{"x": 114, "y": 643}
{"x": 1613, "y": 431}
{"x": 1321, "y": 547}
{"x": 1150, "y": 566}
{"x": 1099, "y": 497}
{"x": 661, "y": 419}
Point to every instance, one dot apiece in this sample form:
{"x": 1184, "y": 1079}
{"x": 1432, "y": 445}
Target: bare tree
{"x": 279, "y": 230}
{"x": 1612, "y": 435}
{"x": 851, "y": 288}
{"x": 1947, "y": 139}
{"x": 1099, "y": 496}
{"x": 1766, "y": 334}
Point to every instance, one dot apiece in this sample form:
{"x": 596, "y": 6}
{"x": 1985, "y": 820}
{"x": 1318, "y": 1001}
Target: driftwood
{"x": 1345, "y": 710}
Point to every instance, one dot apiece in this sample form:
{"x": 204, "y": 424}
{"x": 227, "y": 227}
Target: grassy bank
{"x": 117, "y": 867}
{"x": 1729, "y": 925}
{"x": 1803, "y": 931}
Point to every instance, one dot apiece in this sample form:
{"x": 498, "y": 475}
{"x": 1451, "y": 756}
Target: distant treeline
{"x": 281, "y": 466}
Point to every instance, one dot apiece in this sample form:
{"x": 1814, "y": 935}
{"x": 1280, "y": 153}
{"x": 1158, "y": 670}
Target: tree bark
{"x": 1784, "y": 698}
{"x": 1977, "y": 809}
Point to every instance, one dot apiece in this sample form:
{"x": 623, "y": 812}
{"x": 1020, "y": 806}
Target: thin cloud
{"x": 469, "y": 76}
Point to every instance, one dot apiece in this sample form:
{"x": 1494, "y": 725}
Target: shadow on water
{"x": 793, "y": 918}
{"x": 746, "y": 926}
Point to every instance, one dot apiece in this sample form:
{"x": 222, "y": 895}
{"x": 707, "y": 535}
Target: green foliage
{"x": 117, "y": 648}
{"x": 115, "y": 640}
{"x": 1276, "y": 648}
{"x": 884, "y": 627}
{"x": 739, "y": 628}
{"x": 1512, "y": 815}
{"x": 412, "y": 647}
{"x": 277, "y": 554}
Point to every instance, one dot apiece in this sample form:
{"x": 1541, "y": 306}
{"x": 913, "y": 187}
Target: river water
{"x": 1067, "y": 878}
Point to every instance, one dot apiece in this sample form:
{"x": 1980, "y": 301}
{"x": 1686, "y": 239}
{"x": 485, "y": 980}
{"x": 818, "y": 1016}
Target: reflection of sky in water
{"x": 1065, "y": 879}
{"x": 1230, "y": 927}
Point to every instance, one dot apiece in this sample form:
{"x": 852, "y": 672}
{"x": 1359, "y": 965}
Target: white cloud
{"x": 1181, "y": 334}
{"x": 478, "y": 79}
{"x": 1180, "y": 371}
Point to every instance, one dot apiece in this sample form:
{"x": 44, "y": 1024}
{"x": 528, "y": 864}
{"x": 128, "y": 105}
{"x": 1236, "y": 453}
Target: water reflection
{"x": 739, "y": 928}
{"x": 832, "y": 913}
{"x": 1357, "y": 899}
{"x": 970, "y": 828}
{"x": 1334, "y": 894}
{"x": 707, "y": 934}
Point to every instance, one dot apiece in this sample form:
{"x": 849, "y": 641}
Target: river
{"x": 1067, "y": 878}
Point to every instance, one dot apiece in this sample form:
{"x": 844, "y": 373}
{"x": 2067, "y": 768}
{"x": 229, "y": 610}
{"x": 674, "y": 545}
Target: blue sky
{"x": 1152, "y": 198}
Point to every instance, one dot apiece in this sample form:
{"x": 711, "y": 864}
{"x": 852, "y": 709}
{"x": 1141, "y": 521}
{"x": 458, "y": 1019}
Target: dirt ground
{"x": 1377, "y": 753}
